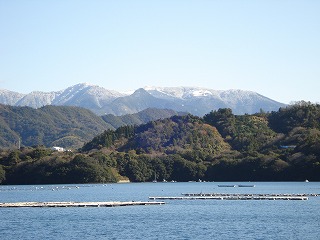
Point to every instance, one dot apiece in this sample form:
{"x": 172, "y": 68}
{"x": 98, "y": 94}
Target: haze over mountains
{"x": 195, "y": 100}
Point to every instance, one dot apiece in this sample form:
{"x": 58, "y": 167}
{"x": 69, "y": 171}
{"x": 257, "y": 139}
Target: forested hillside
{"x": 277, "y": 146}
{"x": 64, "y": 126}
{"x": 48, "y": 126}
{"x": 145, "y": 116}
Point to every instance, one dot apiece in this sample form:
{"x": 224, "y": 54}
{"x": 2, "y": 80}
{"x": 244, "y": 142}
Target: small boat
{"x": 306, "y": 180}
{"x": 242, "y": 185}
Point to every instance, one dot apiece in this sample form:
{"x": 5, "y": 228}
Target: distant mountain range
{"x": 194, "y": 100}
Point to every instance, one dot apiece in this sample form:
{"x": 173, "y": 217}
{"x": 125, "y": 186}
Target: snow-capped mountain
{"x": 10, "y": 98}
{"x": 180, "y": 92}
{"x": 37, "y": 99}
{"x": 199, "y": 100}
{"x": 86, "y": 95}
{"x": 80, "y": 92}
{"x": 195, "y": 100}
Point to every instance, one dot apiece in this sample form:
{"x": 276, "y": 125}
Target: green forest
{"x": 283, "y": 145}
{"x": 65, "y": 126}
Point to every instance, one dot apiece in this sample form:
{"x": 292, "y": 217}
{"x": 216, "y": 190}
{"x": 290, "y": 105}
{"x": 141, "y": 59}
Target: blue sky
{"x": 270, "y": 47}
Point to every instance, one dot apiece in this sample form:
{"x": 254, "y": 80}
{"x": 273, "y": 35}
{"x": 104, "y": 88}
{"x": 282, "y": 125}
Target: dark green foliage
{"x": 60, "y": 169}
{"x": 104, "y": 159}
{"x": 243, "y": 148}
{"x": 223, "y": 119}
{"x": 140, "y": 168}
{"x": 246, "y": 133}
{"x": 145, "y": 116}
{"x": 251, "y": 133}
{"x": 109, "y": 137}
{"x": 66, "y": 126}
{"x": 2, "y": 174}
{"x": 39, "y": 153}
{"x": 301, "y": 114}
{"x": 221, "y": 146}
{"x": 13, "y": 158}
{"x": 179, "y": 134}
{"x": 249, "y": 169}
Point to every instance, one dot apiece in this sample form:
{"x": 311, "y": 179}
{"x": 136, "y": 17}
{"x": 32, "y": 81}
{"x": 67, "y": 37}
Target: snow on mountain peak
{"x": 180, "y": 92}
{"x": 201, "y": 93}
{"x": 150, "y": 88}
{"x": 195, "y": 100}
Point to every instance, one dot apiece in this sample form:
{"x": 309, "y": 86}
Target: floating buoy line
{"x": 76, "y": 204}
{"x": 237, "y": 196}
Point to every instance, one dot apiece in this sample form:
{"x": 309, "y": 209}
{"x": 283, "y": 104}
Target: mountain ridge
{"x": 64, "y": 126}
{"x": 101, "y": 101}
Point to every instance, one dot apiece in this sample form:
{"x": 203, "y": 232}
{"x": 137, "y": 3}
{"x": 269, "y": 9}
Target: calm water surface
{"x": 180, "y": 219}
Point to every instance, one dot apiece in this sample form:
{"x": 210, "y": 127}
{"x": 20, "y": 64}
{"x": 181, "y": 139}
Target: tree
{"x": 13, "y": 158}
{"x": 2, "y": 174}
{"x": 223, "y": 120}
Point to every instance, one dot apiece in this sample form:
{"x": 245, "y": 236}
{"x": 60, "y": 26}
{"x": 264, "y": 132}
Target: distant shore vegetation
{"x": 282, "y": 145}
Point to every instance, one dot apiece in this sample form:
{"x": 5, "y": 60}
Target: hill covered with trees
{"x": 279, "y": 146}
{"x": 48, "y": 126}
{"x": 64, "y": 126}
{"x": 145, "y": 116}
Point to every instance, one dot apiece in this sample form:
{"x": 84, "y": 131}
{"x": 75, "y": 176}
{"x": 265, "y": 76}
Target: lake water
{"x": 178, "y": 219}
